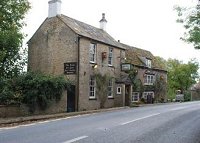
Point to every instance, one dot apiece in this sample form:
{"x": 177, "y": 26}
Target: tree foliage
{"x": 32, "y": 89}
{"x": 12, "y": 13}
{"x": 160, "y": 86}
{"x": 180, "y": 75}
{"x": 190, "y": 18}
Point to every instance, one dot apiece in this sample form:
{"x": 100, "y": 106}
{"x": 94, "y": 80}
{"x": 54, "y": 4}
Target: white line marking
{"x": 140, "y": 118}
{"x": 75, "y": 139}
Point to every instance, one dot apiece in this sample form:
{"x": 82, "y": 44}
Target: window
{"x": 148, "y": 63}
{"x": 148, "y": 79}
{"x": 135, "y": 97}
{"x": 92, "y": 87}
{"x": 110, "y": 88}
{"x": 110, "y": 56}
{"x": 119, "y": 90}
{"x": 93, "y": 53}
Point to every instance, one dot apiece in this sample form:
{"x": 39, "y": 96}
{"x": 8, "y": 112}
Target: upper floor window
{"x": 148, "y": 63}
{"x": 148, "y": 79}
{"x": 110, "y": 56}
{"x": 110, "y": 88}
{"x": 92, "y": 87}
{"x": 93, "y": 52}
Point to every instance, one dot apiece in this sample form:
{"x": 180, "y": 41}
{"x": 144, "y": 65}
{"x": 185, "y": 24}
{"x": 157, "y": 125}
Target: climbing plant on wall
{"x": 102, "y": 87}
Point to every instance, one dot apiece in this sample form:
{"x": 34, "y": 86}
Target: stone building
{"x": 150, "y": 77}
{"x": 63, "y": 45}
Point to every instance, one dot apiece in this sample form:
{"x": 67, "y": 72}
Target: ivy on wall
{"x": 102, "y": 87}
{"x": 32, "y": 89}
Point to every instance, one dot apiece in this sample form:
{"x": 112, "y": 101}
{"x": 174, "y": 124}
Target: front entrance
{"x": 127, "y": 95}
{"x": 71, "y": 99}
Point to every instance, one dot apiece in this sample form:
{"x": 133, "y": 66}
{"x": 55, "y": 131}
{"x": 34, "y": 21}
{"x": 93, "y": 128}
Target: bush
{"x": 33, "y": 89}
{"x": 187, "y": 96}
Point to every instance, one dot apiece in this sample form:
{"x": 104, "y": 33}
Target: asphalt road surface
{"x": 168, "y": 123}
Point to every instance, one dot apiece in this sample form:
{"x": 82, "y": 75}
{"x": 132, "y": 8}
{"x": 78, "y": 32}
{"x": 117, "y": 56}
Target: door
{"x": 71, "y": 99}
{"x": 127, "y": 95}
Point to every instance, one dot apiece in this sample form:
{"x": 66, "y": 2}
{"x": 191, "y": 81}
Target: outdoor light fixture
{"x": 95, "y": 66}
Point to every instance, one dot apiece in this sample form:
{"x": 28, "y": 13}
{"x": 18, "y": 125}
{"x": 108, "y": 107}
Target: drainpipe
{"x": 77, "y": 98}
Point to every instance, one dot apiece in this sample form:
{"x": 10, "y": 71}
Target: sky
{"x": 146, "y": 24}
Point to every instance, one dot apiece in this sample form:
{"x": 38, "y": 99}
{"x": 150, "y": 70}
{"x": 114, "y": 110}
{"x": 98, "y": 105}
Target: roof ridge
{"x": 89, "y": 31}
{"x": 81, "y": 22}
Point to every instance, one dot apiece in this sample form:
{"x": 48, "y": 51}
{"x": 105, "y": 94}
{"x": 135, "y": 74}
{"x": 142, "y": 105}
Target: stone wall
{"x": 23, "y": 110}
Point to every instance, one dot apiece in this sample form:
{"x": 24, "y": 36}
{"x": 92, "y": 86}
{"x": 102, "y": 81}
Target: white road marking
{"x": 139, "y": 119}
{"x": 75, "y": 139}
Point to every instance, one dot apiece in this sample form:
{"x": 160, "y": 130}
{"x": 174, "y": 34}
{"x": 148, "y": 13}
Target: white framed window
{"x": 148, "y": 63}
{"x": 119, "y": 90}
{"x": 148, "y": 79}
{"x": 110, "y": 56}
{"x": 145, "y": 94}
{"x": 93, "y": 53}
{"x": 92, "y": 84}
{"x": 110, "y": 88}
{"x": 135, "y": 97}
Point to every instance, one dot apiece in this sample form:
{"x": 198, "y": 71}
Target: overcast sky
{"x": 146, "y": 24}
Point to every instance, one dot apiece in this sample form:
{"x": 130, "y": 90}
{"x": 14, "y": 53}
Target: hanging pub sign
{"x": 126, "y": 67}
{"x": 70, "y": 68}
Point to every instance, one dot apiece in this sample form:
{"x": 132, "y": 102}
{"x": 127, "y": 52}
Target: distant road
{"x": 168, "y": 123}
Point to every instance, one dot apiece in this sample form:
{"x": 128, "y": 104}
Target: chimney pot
{"x": 103, "y": 22}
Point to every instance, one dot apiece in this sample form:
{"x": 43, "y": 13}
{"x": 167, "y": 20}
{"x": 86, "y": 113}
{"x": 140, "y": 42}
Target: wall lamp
{"x": 95, "y": 66}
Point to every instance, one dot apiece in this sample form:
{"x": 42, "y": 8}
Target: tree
{"x": 12, "y": 13}
{"x": 160, "y": 88}
{"x": 190, "y": 18}
{"x": 181, "y": 76}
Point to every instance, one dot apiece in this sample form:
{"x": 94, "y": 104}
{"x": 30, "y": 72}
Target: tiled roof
{"x": 89, "y": 31}
{"x": 138, "y": 56}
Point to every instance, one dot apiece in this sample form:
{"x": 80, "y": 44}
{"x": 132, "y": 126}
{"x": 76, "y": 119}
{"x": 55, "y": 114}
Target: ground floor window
{"x": 119, "y": 90}
{"x": 110, "y": 88}
{"x": 135, "y": 97}
{"x": 92, "y": 84}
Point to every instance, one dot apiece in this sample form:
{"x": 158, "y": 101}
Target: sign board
{"x": 126, "y": 67}
{"x": 70, "y": 68}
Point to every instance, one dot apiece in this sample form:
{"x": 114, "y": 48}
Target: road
{"x": 168, "y": 123}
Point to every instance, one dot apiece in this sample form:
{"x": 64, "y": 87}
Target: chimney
{"x": 103, "y": 22}
{"x": 54, "y": 8}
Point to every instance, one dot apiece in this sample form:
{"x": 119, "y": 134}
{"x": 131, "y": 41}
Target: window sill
{"x": 110, "y": 66}
{"x": 110, "y": 97}
{"x": 92, "y": 98}
{"x": 135, "y": 101}
{"x": 148, "y": 83}
{"x": 91, "y": 62}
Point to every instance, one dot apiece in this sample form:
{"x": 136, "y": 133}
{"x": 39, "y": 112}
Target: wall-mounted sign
{"x": 126, "y": 67}
{"x": 70, "y": 68}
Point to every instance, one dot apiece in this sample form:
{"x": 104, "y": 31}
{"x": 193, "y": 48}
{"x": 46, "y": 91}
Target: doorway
{"x": 71, "y": 99}
{"x": 127, "y": 95}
